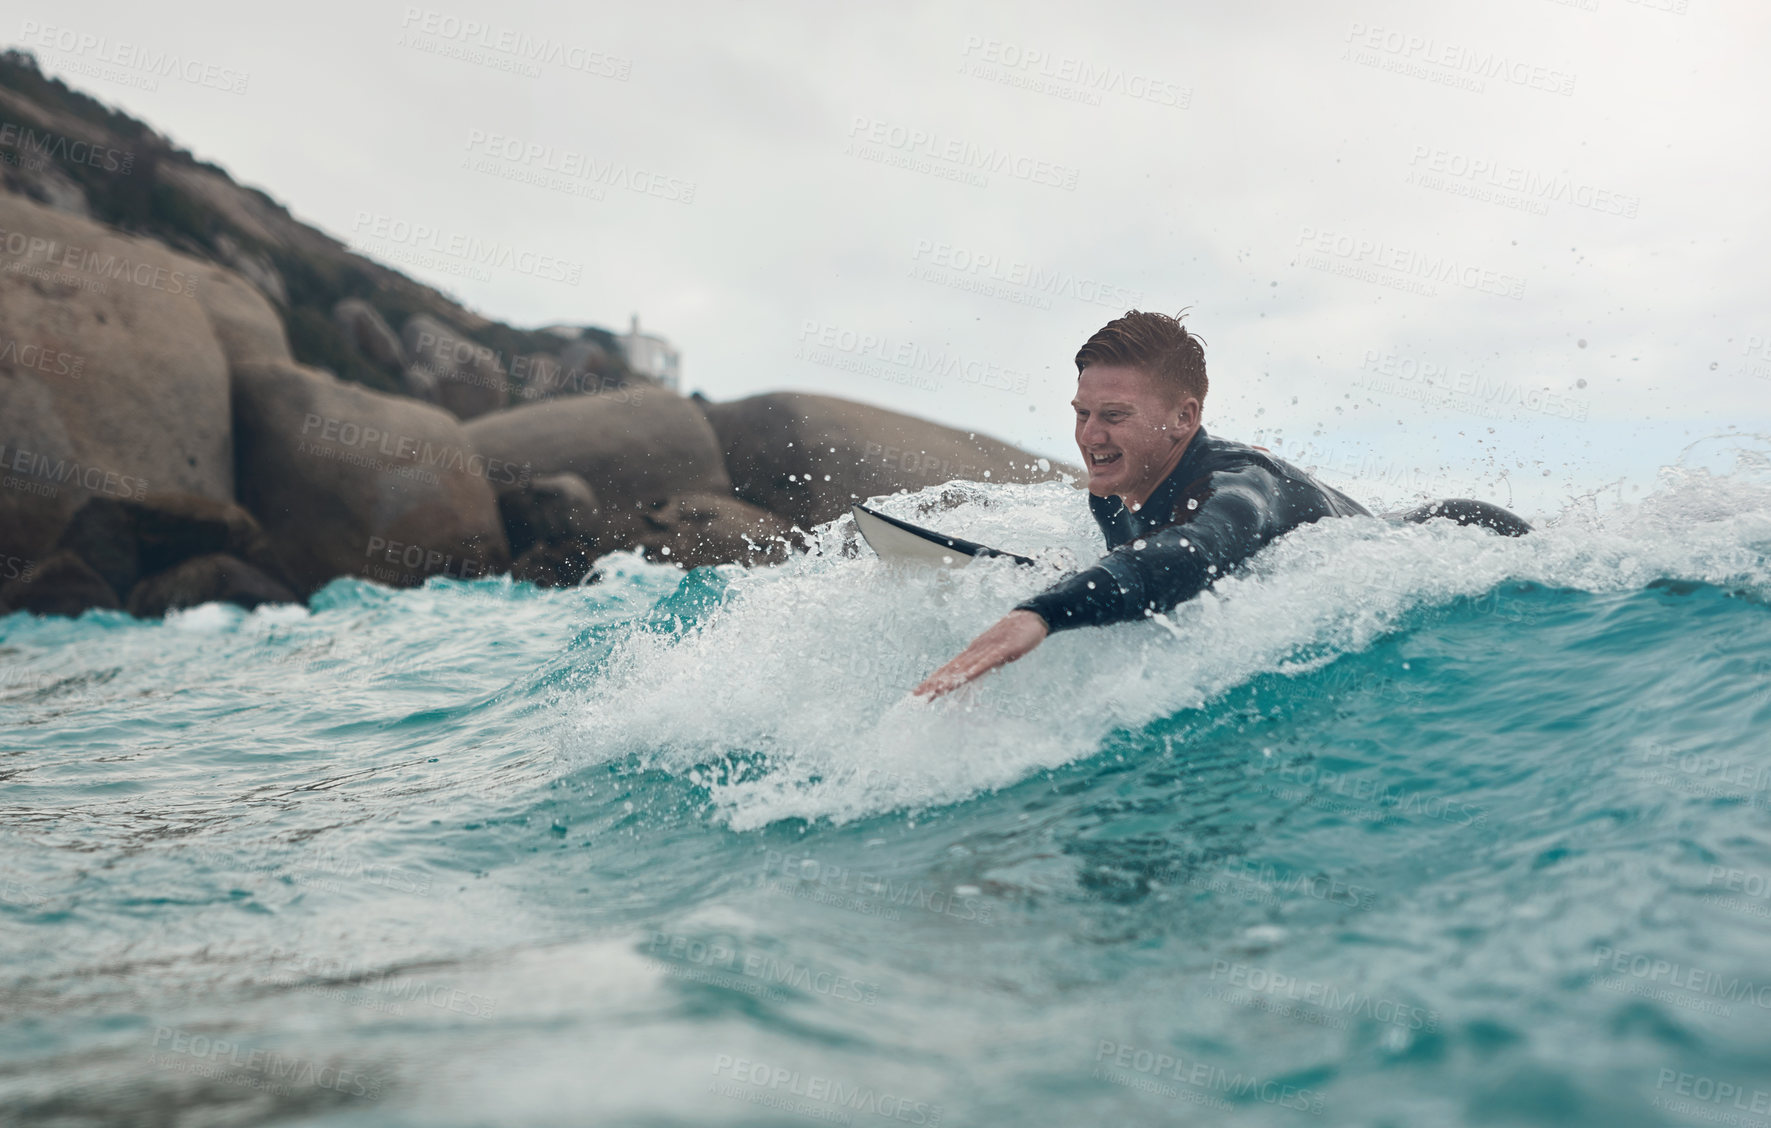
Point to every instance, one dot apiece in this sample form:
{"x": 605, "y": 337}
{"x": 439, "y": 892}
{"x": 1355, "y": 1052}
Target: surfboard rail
{"x": 900, "y": 542}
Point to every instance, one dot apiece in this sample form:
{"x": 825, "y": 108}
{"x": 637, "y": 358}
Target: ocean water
{"x": 1404, "y": 826}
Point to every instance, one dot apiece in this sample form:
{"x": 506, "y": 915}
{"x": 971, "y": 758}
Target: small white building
{"x": 650, "y": 355}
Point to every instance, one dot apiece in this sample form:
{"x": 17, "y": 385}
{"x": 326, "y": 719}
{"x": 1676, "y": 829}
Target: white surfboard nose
{"x": 898, "y": 545}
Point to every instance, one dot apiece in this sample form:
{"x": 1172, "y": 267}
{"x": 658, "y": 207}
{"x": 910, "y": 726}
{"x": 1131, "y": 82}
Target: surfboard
{"x": 899, "y": 542}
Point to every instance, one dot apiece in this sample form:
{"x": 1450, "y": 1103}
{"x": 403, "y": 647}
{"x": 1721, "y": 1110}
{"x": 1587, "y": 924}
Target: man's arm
{"x": 1014, "y": 636}
{"x": 1234, "y": 519}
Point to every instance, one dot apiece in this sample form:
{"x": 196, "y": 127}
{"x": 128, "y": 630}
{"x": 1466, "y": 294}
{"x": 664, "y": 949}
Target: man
{"x": 1179, "y": 507}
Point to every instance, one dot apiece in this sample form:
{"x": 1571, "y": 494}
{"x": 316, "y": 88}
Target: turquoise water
{"x": 1406, "y": 826}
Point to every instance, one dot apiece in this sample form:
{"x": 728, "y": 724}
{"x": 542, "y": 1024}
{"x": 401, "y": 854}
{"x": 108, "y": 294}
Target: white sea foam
{"x": 804, "y": 674}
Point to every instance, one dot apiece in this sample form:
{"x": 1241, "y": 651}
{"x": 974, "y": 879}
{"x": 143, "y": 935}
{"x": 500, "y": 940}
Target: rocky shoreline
{"x": 203, "y": 399}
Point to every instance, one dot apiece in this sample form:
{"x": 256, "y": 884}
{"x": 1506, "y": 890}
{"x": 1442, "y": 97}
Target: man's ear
{"x": 1188, "y": 413}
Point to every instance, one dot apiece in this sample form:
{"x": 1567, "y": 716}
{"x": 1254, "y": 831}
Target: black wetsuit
{"x": 1222, "y": 503}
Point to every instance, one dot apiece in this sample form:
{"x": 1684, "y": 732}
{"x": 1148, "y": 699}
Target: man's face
{"x": 1128, "y": 431}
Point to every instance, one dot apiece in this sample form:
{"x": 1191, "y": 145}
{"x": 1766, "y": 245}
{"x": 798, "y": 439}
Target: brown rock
{"x": 633, "y": 447}
{"x": 561, "y": 563}
{"x": 60, "y": 584}
{"x": 535, "y": 376}
{"x": 552, "y": 507}
{"x": 700, "y": 529}
{"x": 112, "y": 381}
{"x": 246, "y": 325}
{"x": 809, "y": 457}
{"x": 453, "y": 370}
{"x": 211, "y": 578}
{"x": 372, "y": 336}
{"x": 125, "y": 540}
{"x": 350, "y": 482}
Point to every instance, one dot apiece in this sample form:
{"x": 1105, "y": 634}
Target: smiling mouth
{"x": 1096, "y": 461}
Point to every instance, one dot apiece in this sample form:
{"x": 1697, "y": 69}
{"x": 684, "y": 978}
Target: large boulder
{"x": 634, "y": 447}
{"x": 536, "y": 376}
{"x": 561, "y": 563}
{"x": 365, "y": 328}
{"x": 701, "y": 528}
{"x": 451, "y": 369}
{"x": 691, "y": 531}
{"x": 350, "y": 482}
{"x": 214, "y": 578}
{"x": 809, "y": 457}
{"x": 551, "y": 507}
{"x": 112, "y": 381}
{"x": 126, "y": 540}
{"x": 246, "y": 324}
{"x": 60, "y": 584}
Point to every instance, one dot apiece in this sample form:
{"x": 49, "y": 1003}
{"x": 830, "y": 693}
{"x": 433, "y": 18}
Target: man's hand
{"x": 1013, "y": 636}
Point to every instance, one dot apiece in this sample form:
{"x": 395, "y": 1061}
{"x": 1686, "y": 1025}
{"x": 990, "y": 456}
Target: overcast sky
{"x": 1518, "y": 247}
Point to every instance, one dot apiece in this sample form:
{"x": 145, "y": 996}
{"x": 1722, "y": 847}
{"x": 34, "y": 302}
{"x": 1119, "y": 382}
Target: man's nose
{"x": 1092, "y": 433}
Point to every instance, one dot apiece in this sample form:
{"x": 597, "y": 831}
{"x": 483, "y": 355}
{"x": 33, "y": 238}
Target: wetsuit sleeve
{"x": 1236, "y": 516}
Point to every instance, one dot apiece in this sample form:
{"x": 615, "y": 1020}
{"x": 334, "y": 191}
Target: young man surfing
{"x": 1179, "y": 507}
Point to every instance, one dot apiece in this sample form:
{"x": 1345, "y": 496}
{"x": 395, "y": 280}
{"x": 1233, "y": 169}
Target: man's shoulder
{"x": 1220, "y": 454}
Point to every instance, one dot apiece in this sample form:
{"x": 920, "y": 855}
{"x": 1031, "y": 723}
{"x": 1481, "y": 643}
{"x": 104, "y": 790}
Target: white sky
{"x": 1300, "y": 117}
